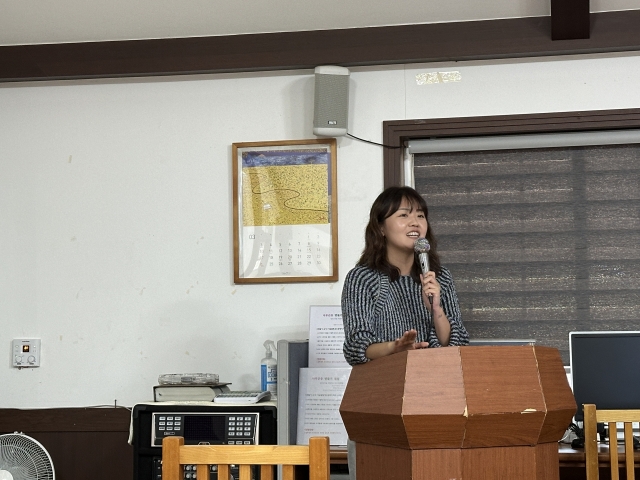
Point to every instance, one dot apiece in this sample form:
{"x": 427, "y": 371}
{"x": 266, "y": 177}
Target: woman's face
{"x": 403, "y": 227}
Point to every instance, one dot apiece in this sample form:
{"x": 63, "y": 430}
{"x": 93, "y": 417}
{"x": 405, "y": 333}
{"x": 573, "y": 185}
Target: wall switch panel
{"x": 25, "y": 352}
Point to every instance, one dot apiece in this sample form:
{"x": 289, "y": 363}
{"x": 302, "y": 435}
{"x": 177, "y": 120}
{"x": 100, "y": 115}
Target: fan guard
{"x": 23, "y": 458}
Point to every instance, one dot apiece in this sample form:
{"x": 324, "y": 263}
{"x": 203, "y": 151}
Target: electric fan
{"x": 23, "y": 458}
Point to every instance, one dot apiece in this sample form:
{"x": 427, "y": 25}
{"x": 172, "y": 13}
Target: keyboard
{"x": 242, "y": 397}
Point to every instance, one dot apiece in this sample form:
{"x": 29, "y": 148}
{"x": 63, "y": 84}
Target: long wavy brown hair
{"x": 374, "y": 254}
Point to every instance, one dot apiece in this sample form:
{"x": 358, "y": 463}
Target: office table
{"x": 338, "y": 455}
{"x": 572, "y": 461}
{"x": 570, "y": 457}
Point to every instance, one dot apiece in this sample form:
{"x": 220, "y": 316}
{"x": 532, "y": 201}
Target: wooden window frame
{"x": 397, "y": 132}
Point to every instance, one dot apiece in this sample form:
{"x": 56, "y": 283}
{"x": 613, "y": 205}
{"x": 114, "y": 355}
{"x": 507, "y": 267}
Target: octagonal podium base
{"x": 461, "y": 413}
{"x": 538, "y": 462}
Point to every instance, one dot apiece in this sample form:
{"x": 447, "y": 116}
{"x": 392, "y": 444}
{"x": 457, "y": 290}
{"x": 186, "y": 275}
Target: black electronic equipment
{"x": 199, "y": 424}
{"x": 214, "y": 428}
{"x": 604, "y": 369}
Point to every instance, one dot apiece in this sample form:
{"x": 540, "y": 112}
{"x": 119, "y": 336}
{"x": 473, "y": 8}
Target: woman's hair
{"x": 374, "y": 254}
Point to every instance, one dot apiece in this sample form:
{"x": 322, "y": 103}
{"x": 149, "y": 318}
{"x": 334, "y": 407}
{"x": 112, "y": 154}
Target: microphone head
{"x": 421, "y": 245}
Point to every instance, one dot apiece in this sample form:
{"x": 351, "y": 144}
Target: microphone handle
{"x": 424, "y": 265}
{"x": 424, "y": 262}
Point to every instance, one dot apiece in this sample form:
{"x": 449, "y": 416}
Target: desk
{"x": 338, "y": 455}
{"x": 572, "y": 462}
{"x": 572, "y": 466}
{"x": 570, "y": 457}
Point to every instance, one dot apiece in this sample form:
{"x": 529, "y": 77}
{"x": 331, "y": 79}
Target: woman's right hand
{"x": 406, "y": 342}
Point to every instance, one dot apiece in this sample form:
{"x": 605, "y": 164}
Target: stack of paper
{"x": 322, "y": 385}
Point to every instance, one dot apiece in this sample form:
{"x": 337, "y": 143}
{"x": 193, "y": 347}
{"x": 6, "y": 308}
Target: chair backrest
{"x": 175, "y": 455}
{"x": 593, "y": 416}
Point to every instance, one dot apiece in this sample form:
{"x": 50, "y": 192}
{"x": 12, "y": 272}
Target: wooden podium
{"x": 459, "y": 413}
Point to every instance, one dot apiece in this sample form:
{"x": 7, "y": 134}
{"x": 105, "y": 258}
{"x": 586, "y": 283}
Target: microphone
{"x": 422, "y": 247}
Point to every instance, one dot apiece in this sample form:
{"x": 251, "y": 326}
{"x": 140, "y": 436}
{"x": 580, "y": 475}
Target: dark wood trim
{"x": 64, "y": 420}
{"x": 396, "y": 132}
{"x": 82, "y": 442}
{"x": 521, "y": 37}
{"x": 570, "y": 19}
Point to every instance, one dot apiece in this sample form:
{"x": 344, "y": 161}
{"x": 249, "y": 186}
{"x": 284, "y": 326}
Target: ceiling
{"x": 25, "y": 22}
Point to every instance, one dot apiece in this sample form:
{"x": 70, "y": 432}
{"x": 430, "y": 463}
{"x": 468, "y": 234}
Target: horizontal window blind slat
{"x": 524, "y": 277}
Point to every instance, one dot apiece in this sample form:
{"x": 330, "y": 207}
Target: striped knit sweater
{"x": 376, "y": 310}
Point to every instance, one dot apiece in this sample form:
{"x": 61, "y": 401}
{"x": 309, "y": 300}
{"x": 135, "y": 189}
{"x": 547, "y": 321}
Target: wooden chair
{"x": 175, "y": 454}
{"x": 592, "y": 417}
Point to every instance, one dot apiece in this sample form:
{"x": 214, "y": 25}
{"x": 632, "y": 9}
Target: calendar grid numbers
{"x": 293, "y": 250}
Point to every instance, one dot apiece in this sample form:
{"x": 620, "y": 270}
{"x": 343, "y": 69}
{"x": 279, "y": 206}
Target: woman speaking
{"x": 388, "y": 304}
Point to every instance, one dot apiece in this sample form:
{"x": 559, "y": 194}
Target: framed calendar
{"x": 285, "y": 211}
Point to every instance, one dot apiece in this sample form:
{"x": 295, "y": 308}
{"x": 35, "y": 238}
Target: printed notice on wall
{"x": 326, "y": 336}
{"x": 319, "y": 398}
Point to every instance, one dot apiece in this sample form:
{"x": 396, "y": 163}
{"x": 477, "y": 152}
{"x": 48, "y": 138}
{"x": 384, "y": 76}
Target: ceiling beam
{"x": 511, "y": 38}
{"x": 570, "y": 19}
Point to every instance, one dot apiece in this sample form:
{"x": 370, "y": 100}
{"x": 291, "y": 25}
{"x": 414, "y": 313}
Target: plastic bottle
{"x": 269, "y": 370}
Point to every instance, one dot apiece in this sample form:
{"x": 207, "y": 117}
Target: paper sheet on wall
{"x": 326, "y": 336}
{"x": 320, "y": 394}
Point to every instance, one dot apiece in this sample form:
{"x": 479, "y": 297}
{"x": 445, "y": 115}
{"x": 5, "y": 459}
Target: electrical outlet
{"x": 25, "y": 352}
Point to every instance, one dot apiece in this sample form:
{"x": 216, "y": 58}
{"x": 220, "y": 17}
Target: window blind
{"x": 540, "y": 241}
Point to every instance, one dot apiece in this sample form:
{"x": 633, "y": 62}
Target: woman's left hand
{"x": 430, "y": 288}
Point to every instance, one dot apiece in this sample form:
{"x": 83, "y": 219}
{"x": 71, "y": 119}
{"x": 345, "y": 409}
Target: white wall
{"x": 115, "y": 211}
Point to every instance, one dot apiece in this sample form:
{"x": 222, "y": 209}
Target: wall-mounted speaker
{"x": 331, "y": 101}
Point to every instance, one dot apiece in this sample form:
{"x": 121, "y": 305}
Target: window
{"x": 540, "y": 241}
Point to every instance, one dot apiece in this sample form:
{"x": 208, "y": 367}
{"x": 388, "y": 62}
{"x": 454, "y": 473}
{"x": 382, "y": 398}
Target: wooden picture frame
{"x": 285, "y": 211}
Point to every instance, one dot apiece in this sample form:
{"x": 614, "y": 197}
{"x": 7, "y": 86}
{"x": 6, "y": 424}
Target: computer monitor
{"x": 605, "y": 369}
